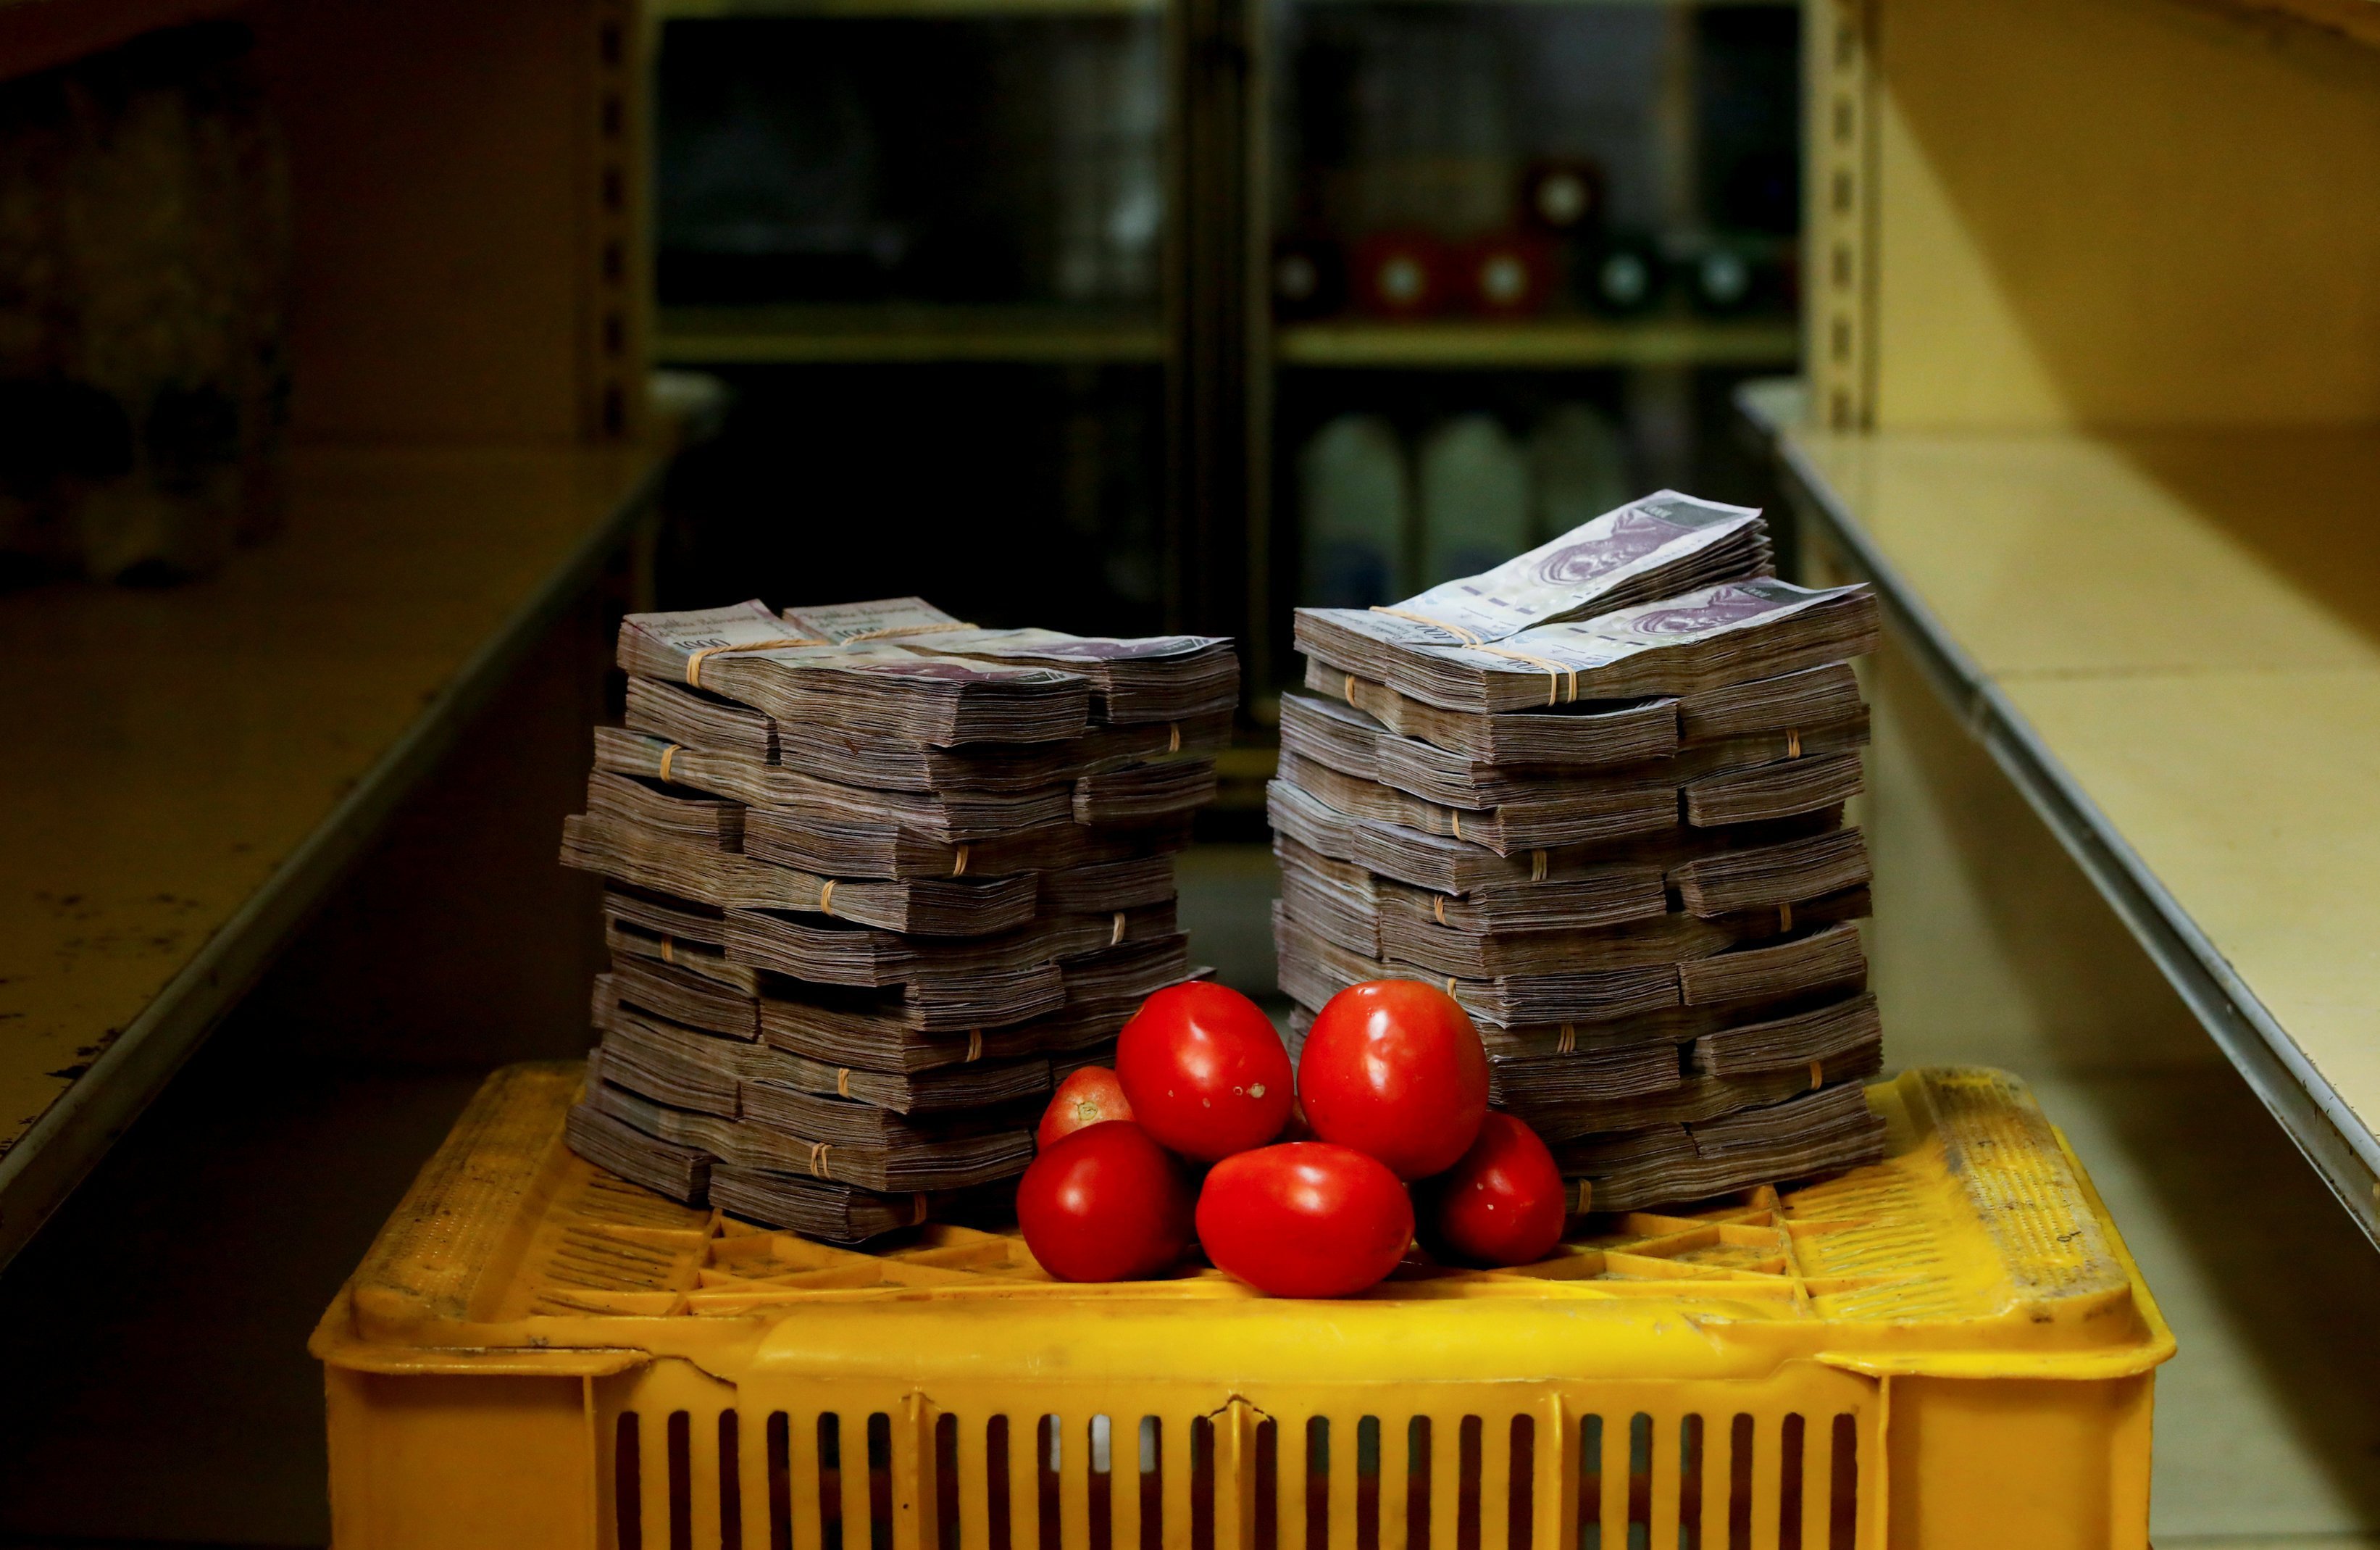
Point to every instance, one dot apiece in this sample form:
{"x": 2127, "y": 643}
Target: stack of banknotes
{"x": 874, "y": 881}
{"x": 1597, "y": 795}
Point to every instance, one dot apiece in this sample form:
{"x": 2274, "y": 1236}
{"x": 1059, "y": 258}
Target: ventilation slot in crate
{"x": 829, "y": 1481}
{"x": 1428, "y": 1489}
{"x": 1702, "y": 1482}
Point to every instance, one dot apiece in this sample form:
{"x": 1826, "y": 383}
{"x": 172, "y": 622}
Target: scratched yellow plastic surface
{"x": 1947, "y": 1349}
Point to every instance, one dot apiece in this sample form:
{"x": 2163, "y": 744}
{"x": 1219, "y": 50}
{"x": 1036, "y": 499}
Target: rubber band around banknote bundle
{"x": 1536, "y": 866}
{"x": 1467, "y": 637}
{"x": 694, "y": 658}
{"x": 1116, "y": 935}
{"x": 1793, "y": 742}
{"x": 842, "y": 1082}
{"x": 826, "y": 896}
{"x": 916, "y": 1209}
{"x": 667, "y": 948}
{"x": 958, "y": 861}
{"x": 1784, "y": 917}
{"x": 1438, "y": 902}
{"x": 1817, "y": 1075}
{"x": 1173, "y": 743}
{"x": 1562, "y": 683}
{"x": 1568, "y": 1042}
{"x": 975, "y": 1047}
{"x": 888, "y": 631}
{"x": 818, "y": 1149}
{"x": 1450, "y": 984}
{"x": 1585, "y": 1200}
{"x": 669, "y": 751}
{"x": 1455, "y": 818}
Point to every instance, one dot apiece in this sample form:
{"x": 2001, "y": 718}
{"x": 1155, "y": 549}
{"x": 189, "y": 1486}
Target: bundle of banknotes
{"x": 1597, "y": 794}
{"x": 874, "y": 881}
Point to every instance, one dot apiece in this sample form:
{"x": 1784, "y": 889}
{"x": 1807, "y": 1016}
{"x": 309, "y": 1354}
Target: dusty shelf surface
{"x": 196, "y": 764}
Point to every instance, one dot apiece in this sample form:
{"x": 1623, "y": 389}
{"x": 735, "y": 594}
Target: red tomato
{"x": 1394, "y": 1069}
{"x": 1106, "y": 1203}
{"x": 1204, "y": 1070}
{"x": 1503, "y": 1203}
{"x": 1090, "y": 1096}
{"x": 1304, "y": 1219}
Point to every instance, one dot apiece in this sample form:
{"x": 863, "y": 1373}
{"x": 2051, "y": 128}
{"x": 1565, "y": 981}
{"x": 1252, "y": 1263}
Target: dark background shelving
{"x": 863, "y": 224}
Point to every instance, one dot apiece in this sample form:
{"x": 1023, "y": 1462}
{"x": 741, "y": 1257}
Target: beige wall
{"x": 2092, "y": 213}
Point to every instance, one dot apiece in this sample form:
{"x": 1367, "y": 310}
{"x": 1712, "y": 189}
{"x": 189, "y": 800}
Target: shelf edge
{"x": 1541, "y": 347}
{"x": 2334, "y": 1140}
{"x": 894, "y": 349}
{"x": 61, "y": 1148}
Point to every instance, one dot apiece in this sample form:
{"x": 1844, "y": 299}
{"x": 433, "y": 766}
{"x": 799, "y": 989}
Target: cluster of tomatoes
{"x": 1312, "y": 1192}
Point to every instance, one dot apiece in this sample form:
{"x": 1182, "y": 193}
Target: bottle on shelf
{"x": 1562, "y": 197}
{"x": 1355, "y": 498}
{"x": 1309, "y": 278}
{"x": 1475, "y": 497}
{"x": 1578, "y": 469}
{"x": 1622, "y": 277}
{"x": 1506, "y": 276}
{"x": 1719, "y": 278}
{"x": 1403, "y": 274}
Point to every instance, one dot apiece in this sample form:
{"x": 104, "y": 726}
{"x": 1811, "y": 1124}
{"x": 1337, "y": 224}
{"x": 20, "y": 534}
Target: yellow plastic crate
{"x": 1947, "y": 1349}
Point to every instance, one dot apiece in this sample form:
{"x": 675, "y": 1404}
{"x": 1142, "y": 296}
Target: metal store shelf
{"x": 2141, "y": 631}
{"x": 210, "y": 757}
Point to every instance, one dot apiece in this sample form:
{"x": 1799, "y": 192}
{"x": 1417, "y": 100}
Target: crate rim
{"x": 2050, "y": 1291}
